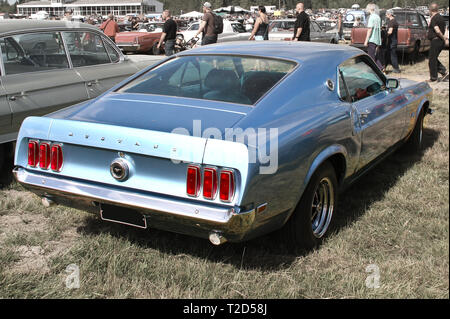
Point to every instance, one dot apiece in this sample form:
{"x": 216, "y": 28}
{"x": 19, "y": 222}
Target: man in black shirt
{"x": 301, "y": 28}
{"x": 169, "y": 33}
{"x": 436, "y": 32}
{"x": 392, "y": 33}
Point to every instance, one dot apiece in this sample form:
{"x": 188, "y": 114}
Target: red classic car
{"x": 141, "y": 41}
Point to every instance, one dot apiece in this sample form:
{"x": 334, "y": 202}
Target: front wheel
{"x": 312, "y": 217}
{"x": 415, "y": 141}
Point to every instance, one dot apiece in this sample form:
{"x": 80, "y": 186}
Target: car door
{"x": 37, "y": 78}
{"x": 424, "y": 39}
{"x": 96, "y": 60}
{"x": 315, "y": 32}
{"x": 380, "y": 113}
{"x": 5, "y": 115}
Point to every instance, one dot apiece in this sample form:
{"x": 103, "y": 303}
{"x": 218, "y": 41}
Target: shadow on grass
{"x": 269, "y": 252}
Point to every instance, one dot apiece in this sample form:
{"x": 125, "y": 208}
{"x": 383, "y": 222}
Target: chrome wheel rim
{"x": 322, "y": 207}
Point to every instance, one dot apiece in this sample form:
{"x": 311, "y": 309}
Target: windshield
{"x": 238, "y": 27}
{"x": 235, "y": 79}
{"x": 277, "y": 26}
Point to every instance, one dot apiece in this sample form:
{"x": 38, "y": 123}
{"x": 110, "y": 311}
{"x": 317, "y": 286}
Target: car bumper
{"x": 171, "y": 214}
{"x": 400, "y": 48}
{"x": 127, "y": 47}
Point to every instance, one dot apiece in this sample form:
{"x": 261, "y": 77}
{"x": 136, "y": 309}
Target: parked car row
{"x": 48, "y": 65}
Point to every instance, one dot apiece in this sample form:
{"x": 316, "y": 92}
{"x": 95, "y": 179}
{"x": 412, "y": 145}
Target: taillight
{"x": 33, "y": 153}
{"x": 56, "y": 157}
{"x": 226, "y": 185}
{"x": 193, "y": 181}
{"x": 209, "y": 183}
{"x": 44, "y": 155}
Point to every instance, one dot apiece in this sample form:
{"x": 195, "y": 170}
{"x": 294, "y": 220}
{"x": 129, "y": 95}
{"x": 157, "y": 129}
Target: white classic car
{"x": 232, "y": 31}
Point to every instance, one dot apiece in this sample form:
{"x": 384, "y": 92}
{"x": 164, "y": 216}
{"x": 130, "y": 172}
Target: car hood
{"x": 157, "y": 113}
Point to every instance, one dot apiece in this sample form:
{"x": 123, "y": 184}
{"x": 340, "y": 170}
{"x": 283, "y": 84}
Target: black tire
{"x": 415, "y": 53}
{"x": 312, "y": 217}
{"x": 415, "y": 141}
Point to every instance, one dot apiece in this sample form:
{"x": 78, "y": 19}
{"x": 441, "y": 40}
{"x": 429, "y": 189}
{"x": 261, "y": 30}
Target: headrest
{"x": 221, "y": 80}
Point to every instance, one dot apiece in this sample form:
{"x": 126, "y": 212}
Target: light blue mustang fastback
{"x": 226, "y": 142}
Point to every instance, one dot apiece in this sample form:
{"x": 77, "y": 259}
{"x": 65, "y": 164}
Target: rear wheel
{"x": 415, "y": 53}
{"x": 312, "y": 217}
{"x": 155, "y": 50}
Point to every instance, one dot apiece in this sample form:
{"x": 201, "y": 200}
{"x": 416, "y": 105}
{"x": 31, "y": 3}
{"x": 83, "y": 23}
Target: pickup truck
{"x": 412, "y": 33}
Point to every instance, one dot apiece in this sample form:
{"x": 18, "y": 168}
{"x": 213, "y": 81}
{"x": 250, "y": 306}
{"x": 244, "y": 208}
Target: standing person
{"x": 169, "y": 33}
{"x": 261, "y": 28}
{"x": 301, "y": 27}
{"x": 67, "y": 15}
{"x": 207, "y": 26}
{"x": 340, "y": 25}
{"x": 392, "y": 33}
{"x": 110, "y": 27}
{"x": 436, "y": 31}
{"x": 373, "y": 38}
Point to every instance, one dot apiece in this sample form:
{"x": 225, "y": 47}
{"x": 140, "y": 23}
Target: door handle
{"x": 363, "y": 115}
{"x": 15, "y": 97}
{"x": 91, "y": 83}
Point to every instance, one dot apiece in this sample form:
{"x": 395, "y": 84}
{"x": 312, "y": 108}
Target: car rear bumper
{"x": 129, "y": 47}
{"x": 166, "y": 213}
{"x": 400, "y": 47}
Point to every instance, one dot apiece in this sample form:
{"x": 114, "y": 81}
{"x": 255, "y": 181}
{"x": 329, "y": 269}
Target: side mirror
{"x": 392, "y": 84}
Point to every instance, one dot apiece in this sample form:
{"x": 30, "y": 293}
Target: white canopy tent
{"x": 192, "y": 14}
{"x": 232, "y": 9}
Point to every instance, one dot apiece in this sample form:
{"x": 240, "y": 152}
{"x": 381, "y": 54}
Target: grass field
{"x": 395, "y": 219}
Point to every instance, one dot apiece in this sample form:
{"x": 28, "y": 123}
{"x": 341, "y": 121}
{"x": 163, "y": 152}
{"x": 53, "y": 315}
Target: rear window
{"x": 234, "y": 79}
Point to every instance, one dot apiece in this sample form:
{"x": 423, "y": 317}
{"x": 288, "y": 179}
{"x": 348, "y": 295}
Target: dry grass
{"x": 395, "y": 217}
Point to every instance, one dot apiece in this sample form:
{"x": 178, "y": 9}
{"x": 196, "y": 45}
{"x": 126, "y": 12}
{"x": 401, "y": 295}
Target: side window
{"x": 33, "y": 52}
{"x": 85, "y": 48}
{"x": 314, "y": 27}
{"x": 113, "y": 54}
{"x": 361, "y": 79}
{"x": 412, "y": 20}
{"x": 424, "y": 21}
{"x": 342, "y": 89}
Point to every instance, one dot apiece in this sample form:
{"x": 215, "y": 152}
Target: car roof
{"x": 301, "y": 52}
{"x": 15, "y": 25}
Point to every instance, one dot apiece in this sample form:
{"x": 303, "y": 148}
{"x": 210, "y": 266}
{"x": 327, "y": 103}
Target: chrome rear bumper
{"x": 172, "y": 214}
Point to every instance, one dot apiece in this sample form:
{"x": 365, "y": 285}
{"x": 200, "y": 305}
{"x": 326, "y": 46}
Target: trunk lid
{"x": 157, "y": 113}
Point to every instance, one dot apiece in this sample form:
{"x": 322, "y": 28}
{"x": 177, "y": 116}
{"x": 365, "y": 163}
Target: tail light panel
{"x": 44, "y": 155}
{"x": 33, "y": 153}
{"x": 56, "y": 157}
{"x": 193, "y": 181}
{"x": 209, "y": 183}
{"x": 227, "y": 185}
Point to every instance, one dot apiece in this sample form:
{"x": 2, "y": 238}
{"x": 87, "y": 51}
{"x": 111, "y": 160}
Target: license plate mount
{"x": 122, "y": 215}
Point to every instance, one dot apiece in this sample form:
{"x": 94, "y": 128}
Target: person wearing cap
{"x": 392, "y": 33}
{"x": 110, "y": 27}
{"x": 207, "y": 26}
{"x": 67, "y": 15}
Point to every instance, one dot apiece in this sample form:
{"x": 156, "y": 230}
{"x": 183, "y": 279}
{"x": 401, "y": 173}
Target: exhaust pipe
{"x": 216, "y": 238}
{"x": 47, "y": 202}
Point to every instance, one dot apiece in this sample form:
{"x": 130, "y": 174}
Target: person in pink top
{"x": 110, "y": 27}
